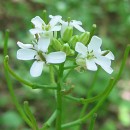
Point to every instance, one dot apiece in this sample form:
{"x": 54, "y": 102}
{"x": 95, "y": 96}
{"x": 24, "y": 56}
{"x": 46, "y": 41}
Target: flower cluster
{"x": 55, "y": 41}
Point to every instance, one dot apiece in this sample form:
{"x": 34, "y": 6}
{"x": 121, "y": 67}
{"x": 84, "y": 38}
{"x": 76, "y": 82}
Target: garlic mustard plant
{"x": 56, "y": 45}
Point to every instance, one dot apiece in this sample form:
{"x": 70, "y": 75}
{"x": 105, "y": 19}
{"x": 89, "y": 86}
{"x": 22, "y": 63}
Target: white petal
{"x": 55, "y": 20}
{"x": 56, "y": 28}
{"x": 110, "y": 56}
{"x": 56, "y": 57}
{"x": 35, "y": 31}
{"x": 37, "y": 21}
{"x": 77, "y": 22}
{"x": 78, "y": 27}
{"x": 95, "y": 44}
{"x": 90, "y": 64}
{"x": 24, "y": 46}
{"x": 103, "y": 61}
{"x": 81, "y": 48}
{"x": 108, "y": 69}
{"x": 26, "y": 54}
{"x": 51, "y": 16}
{"x": 36, "y": 68}
{"x": 43, "y": 44}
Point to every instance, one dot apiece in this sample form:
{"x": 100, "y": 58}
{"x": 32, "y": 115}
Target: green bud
{"x": 84, "y": 37}
{"x": 72, "y": 42}
{"x": 61, "y": 41}
{"x": 45, "y": 16}
{"x": 66, "y": 49}
{"x": 67, "y": 34}
{"x": 72, "y": 52}
{"x": 69, "y": 19}
{"x": 56, "y": 44}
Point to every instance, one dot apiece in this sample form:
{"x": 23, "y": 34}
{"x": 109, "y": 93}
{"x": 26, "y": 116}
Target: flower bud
{"x": 61, "y": 41}
{"x": 56, "y": 44}
{"x": 84, "y": 37}
{"x": 72, "y": 42}
{"x": 72, "y": 52}
{"x": 67, "y": 34}
{"x": 66, "y": 49}
{"x": 80, "y": 61}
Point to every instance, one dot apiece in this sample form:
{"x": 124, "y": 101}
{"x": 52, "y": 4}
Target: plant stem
{"x": 59, "y": 98}
{"x": 88, "y": 96}
{"x": 126, "y": 54}
{"x": 32, "y": 85}
{"x": 10, "y": 87}
{"x": 59, "y": 108}
{"x": 52, "y": 74}
{"x": 81, "y": 120}
{"x": 30, "y": 115}
{"x": 93, "y": 118}
{"x": 48, "y": 123}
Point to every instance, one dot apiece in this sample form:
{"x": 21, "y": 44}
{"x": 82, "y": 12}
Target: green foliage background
{"x": 113, "y": 26}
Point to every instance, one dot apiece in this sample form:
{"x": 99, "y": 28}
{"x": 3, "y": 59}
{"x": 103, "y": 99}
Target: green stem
{"x": 67, "y": 74}
{"x": 88, "y": 95}
{"x": 126, "y": 53}
{"x": 59, "y": 98}
{"x": 10, "y": 87}
{"x": 49, "y": 121}
{"x": 6, "y": 42}
{"x": 59, "y": 108}
{"x": 81, "y": 120}
{"x": 30, "y": 115}
{"x": 93, "y": 118}
{"x": 70, "y": 67}
{"x": 89, "y": 100}
{"x": 52, "y": 74}
{"x": 15, "y": 101}
{"x": 32, "y": 85}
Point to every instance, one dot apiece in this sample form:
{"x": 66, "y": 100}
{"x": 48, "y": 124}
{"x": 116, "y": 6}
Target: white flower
{"x": 47, "y": 29}
{"x": 72, "y": 23}
{"x": 92, "y": 55}
{"x": 38, "y": 52}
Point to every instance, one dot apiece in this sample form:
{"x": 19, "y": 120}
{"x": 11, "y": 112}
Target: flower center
{"x": 40, "y": 54}
{"x": 90, "y": 55}
{"x": 46, "y": 27}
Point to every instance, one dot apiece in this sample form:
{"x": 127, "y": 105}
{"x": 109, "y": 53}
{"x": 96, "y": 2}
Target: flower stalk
{"x": 59, "y": 98}
{"x": 10, "y": 86}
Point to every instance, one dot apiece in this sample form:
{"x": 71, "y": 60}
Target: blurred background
{"x": 113, "y": 26}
